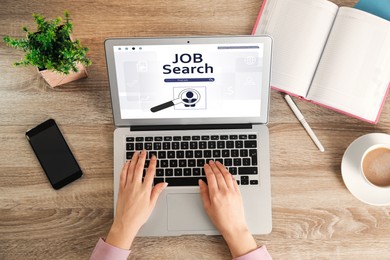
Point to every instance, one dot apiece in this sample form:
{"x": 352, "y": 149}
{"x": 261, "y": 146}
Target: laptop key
{"x": 173, "y": 163}
{"x": 162, "y": 154}
{"x": 187, "y": 172}
{"x": 189, "y": 154}
{"x": 237, "y": 162}
{"x": 247, "y": 170}
{"x": 168, "y": 172}
{"x": 130, "y": 146}
{"x": 239, "y": 144}
{"x": 159, "y": 172}
{"x": 234, "y": 153}
{"x": 228, "y": 162}
{"x": 157, "y": 146}
{"x": 202, "y": 145}
{"x": 179, "y": 154}
{"x": 182, "y": 163}
{"x": 207, "y": 153}
{"x": 233, "y": 170}
{"x": 184, "y": 145}
{"x": 196, "y": 171}
{"x": 226, "y": 153}
{"x": 191, "y": 163}
{"x": 198, "y": 154}
{"x": 254, "y": 182}
{"x": 164, "y": 163}
{"x": 148, "y": 146}
{"x": 178, "y": 172}
{"x": 200, "y": 162}
{"x": 211, "y": 145}
{"x": 166, "y": 145}
{"x": 250, "y": 144}
{"x": 171, "y": 154}
{"x": 194, "y": 145}
{"x": 246, "y": 162}
{"x": 184, "y": 181}
{"x": 139, "y": 146}
{"x": 220, "y": 144}
{"x": 253, "y": 155}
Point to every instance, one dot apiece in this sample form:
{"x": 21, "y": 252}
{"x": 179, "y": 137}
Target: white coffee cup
{"x": 375, "y": 165}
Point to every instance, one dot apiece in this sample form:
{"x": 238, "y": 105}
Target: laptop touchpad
{"x": 186, "y": 212}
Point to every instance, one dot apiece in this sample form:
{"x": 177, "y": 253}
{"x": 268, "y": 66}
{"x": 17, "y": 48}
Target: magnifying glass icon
{"x": 189, "y": 97}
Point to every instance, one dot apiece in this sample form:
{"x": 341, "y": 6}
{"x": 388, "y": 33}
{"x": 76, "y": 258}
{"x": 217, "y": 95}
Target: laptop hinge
{"x": 189, "y": 127}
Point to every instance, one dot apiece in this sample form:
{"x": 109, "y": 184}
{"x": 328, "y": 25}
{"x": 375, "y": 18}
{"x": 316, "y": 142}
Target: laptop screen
{"x": 190, "y": 81}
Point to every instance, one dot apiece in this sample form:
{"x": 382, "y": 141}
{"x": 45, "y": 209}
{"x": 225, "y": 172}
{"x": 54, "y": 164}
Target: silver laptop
{"x": 189, "y": 100}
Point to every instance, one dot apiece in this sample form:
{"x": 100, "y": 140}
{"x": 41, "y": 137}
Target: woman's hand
{"x": 136, "y": 200}
{"x": 223, "y": 204}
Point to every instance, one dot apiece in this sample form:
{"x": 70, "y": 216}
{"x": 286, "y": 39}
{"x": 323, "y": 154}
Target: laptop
{"x": 189, "y": 100}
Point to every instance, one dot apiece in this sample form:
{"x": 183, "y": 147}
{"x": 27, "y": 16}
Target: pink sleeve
{"x": 259, "y": 254}
{"x": 105, "y": 251}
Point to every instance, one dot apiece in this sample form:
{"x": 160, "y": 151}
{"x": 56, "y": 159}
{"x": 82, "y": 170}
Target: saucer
{"x": 354, "y": 180}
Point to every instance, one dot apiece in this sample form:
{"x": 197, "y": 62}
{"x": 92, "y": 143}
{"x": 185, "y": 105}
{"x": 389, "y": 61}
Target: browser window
{"x": 189, "y": 81}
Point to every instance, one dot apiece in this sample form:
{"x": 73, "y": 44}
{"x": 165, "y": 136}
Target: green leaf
{"x": 50, "y": 46}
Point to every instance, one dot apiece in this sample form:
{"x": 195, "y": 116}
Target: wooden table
{"x": 314, "y": 215}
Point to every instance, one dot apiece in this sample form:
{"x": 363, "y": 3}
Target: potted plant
{"x": 58, "y": 58}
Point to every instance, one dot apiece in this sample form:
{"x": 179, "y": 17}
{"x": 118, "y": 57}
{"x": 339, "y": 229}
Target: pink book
{"x": 336, "y": 57}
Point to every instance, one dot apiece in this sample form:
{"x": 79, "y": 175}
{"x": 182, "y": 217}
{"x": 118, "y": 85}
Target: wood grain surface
{"x": 314, "y": 215}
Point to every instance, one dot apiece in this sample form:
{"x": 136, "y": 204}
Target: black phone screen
{"x": 54, "y": 154}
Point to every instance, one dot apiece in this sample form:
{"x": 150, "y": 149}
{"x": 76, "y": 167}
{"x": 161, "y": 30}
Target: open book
{"x": 335, "y": 57}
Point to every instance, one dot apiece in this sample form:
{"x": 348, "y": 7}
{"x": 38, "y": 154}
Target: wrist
{"x": 120, "y": 236}
{"x": 240, "y": 243}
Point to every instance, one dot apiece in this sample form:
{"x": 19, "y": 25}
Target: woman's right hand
{"x": 223, "y": 204}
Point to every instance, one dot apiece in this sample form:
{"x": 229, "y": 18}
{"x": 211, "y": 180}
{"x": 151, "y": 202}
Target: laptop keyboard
{"x": 181, "y": 158}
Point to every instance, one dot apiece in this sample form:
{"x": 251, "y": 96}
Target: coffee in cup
{"x": 375, "y": 165}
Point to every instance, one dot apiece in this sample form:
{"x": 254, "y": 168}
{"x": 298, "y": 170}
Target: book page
{"x": 299, "y": 29}
{"x": 354, "y": 71}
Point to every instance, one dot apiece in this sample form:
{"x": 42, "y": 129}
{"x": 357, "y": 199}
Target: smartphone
{"x": 54, "y": 154}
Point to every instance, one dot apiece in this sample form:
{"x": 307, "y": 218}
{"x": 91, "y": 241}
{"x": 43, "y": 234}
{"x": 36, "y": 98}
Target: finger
{"x": 151, "y": 171}
{"x": 235, "y": 184}
{"x": 139, "y": 167}
{"x": 226, "y": 175}
{"x": 204, "y": 194}
{"x": 133, "y": 163}
{"x": 210, "y": 176}
{"x": 218, "y": 176}
{"x": 156, "y": 191}
{"x": 123, "y": 177}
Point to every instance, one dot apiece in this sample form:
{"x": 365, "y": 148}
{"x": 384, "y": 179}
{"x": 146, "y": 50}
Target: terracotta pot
{"x": 55, "y": 79}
